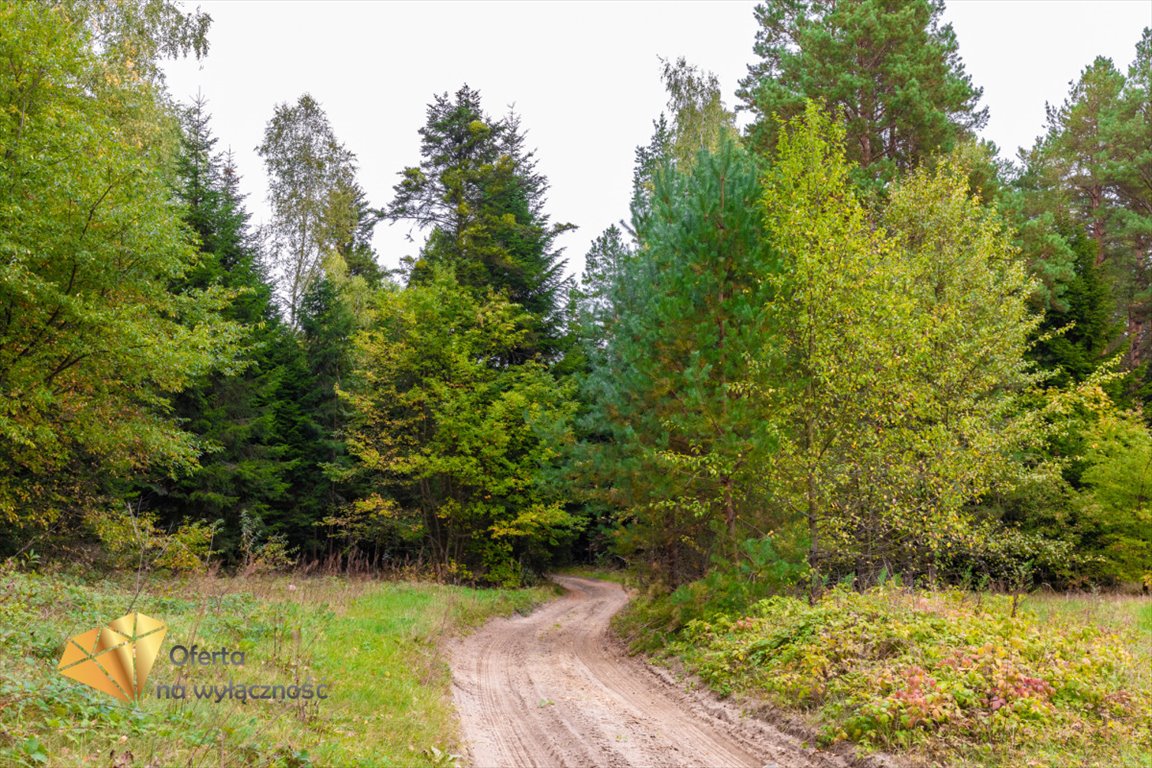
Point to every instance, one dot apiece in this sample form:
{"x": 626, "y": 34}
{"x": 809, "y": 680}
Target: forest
{"x": 850, "y": 339}
{"x": 837, "y": 342}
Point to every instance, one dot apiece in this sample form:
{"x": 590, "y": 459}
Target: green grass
{"x": 384, "y": 650}
{"x": 1122, "y": 612}
{"x": 377, "y": 644}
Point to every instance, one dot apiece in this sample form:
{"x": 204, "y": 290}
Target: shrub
{"x": 133, "y": 539}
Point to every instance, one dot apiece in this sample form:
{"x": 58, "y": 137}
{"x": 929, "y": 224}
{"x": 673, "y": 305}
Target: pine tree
{"x": 888, "y": 68}
{"x": 1130, "y": 171}
{"x": 681, "y": 443}
{"x": 310, "y": 417}
{"x": 1091, "y": 169}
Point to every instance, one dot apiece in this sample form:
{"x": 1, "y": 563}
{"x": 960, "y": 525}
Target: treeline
{"x": 847, "y": 341}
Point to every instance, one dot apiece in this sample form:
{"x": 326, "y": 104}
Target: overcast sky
{"x": 584, "y": 77}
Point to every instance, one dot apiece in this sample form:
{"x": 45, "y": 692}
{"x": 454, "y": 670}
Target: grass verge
{"x": 376, "y": 645}
{"x": 943, "y": 678}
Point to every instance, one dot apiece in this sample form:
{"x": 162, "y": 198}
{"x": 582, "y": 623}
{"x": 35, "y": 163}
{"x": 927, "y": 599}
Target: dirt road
{"x": 552, "y": 689}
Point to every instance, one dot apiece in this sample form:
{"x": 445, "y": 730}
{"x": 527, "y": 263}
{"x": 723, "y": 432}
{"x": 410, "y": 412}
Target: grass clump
{"x": 950, "y": 676}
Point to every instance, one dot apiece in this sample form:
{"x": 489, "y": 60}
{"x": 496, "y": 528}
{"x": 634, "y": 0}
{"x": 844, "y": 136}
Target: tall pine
{"x": 890, "y": 69}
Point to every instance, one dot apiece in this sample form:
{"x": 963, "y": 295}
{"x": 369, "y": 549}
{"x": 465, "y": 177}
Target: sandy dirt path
{"x": 554, "y": 689}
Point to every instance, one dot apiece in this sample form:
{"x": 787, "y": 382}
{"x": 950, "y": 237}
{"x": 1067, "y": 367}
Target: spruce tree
{"x": 242, "y": 466}
{"x": 480, "y": 196}
{"x": 310, "y": 417}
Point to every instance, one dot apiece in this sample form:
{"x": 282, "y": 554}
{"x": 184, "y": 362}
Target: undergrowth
{"x": 950, "y": 677}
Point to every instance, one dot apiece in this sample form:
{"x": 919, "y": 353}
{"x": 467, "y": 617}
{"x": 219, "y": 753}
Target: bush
{"x": 133, "y": 539}
{"x": 766, "y": 567}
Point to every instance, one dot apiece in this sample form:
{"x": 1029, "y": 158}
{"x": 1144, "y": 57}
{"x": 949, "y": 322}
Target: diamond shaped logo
{"x": 115, "y": 659}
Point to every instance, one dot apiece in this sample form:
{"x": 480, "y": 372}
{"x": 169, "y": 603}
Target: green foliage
{"x": 312, "y": 414}
{"x": 700, "y": 121}
{"x": 888, "y": 68}
{"x": 767, "y": 566}
{"x": 92, "y": 343}
{"x": 678, "y": 437}
{"x": 897, "y": 362}
{"x": 133, "y": 540}
{"x": 1115, "y": 520}
{"x": 1090, "y": 169}
{"x": 261, "y": 552}
{"x": 242, "y": 466}
{"x": 938, "y": 671}
{"x": 1079, "y": 328}
{"x": 317, "y": 206}
{"x": 1082, "y": 490}
{"x": 456, "y": 449}
{"x": 478, "y": 192}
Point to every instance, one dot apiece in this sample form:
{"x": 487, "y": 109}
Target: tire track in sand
{"x": 553, "y": 689}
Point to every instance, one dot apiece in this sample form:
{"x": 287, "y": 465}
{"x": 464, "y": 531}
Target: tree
{"x": 1079, "y": 329}
{"x": 242, "y": 467}
{"x": 456, "y": 450}
{"x": 1130, "y": 172}
{"x": 686, "y": 438}
{"x": 1074, "y": 156}
{"x": 593, "y": 304}
{"x": 478, "y": 192}
{"x": 700, "y": 121}
{"x": 1092, "y": 168}
{"x": 1073, "y": 294}
{"x": 93, "y": 344}
{"x": 310, "y": 415}
{"x": 314, "y": 197}
{"x": 888, "y": 68}
{"x": 897, "y": 355}
{"x": 1114, "y": 522}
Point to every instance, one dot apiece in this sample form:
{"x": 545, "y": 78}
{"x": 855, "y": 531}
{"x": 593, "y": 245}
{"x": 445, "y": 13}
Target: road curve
{"x": 552, "y": 689}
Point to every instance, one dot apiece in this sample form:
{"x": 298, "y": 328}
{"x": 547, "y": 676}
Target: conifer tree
{"x": 455, "y": 452}
{"x": 242, "y": 466}
{"x": 685, "y": 440}
{"x": 478, "y": 192}
{"x": 1091, "y": 169}
{"x": 890, "y": 69}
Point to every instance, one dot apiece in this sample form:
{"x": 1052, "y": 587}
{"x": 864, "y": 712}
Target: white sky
{"x": 584, "y": 77}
